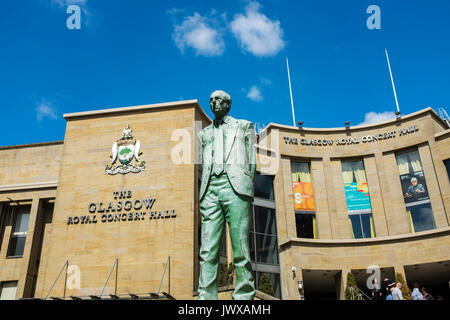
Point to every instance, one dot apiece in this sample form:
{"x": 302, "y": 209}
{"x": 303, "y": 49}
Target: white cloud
{"x": 174, "y": 11}
{"x": 374, "y": 117}
{"x": 196, "y": 32}
{"x": 265, "y": 81}
{"x": 256, "y": 33}
{"x": 46, "y": 110}
{"x": 255, "y": 94}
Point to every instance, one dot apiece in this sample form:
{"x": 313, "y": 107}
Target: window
{"x": 263, "y": 234}
{"x": 447, "y": 166}
{"x": 304, "y": 206}
{"x": 265, "y": 221}
{"x": 415, "y": 191}
{"x": 8, "y": 290}
{"x": 263, "y": 238}
{"x": 362, "y": 225}
{"x": 268, "y": 283}
{"x": 263, "y": 225}
{"x": 358, "y": 199}
{"x": 306, "y": 225}
{"x": 421, "y": 217}
{"x": 264, "y": 187}
{"x": 19, "y": 233}
{"x": 302, "y": 187}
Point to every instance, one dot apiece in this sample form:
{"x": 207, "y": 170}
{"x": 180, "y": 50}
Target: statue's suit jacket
{"x": 239, "y": 155}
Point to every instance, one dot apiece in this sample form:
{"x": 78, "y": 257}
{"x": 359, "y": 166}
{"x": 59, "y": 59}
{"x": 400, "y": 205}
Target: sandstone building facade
{"x": 113, "y": 209}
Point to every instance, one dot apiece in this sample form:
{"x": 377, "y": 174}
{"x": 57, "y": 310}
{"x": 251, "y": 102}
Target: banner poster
{"x": 414, "y": 187}
{"x": 357, "y": 196}
{"x": 303, "y": 196}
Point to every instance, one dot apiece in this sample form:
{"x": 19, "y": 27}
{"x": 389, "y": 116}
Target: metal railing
{"x": 164, "y": 272}
{"x": 443, "y": 115}
{"x": 123, "y": 296}
{"x": 65, "y": 266}
{"x": 259, "y": 127}
{"x": 359, "y": 296}
{"x": 127, "y": 296}
{"x": 115, "y": 265}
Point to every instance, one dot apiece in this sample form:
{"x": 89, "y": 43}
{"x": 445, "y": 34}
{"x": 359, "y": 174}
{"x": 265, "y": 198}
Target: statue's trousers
{"x": 221, "y": 204}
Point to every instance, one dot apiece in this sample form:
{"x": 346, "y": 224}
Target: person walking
{"x": 376, "y": 290}
{"x": 426, "y": 295}
{"x": 388, "y": 285}
{"x": 397, "y": 292}
{"x": 416, "y": 295}
{"x": 389, "y": 294}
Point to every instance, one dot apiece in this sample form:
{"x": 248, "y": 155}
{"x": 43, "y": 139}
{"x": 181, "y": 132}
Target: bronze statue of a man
{"x": 226, "y": 194}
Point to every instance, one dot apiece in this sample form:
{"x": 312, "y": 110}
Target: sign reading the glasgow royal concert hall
{"x": 352, "y": 141}
{"x": 122, "y": 208}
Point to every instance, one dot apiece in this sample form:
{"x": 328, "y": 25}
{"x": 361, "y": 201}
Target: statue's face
{"x": 219, "y": 105}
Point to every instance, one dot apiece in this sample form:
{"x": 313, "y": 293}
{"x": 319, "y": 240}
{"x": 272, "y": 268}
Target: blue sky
{"x": 138, "y": 52}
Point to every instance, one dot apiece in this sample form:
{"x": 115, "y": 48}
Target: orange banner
{"x": 303, "y": 196}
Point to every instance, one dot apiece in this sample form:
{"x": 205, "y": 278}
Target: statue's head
{"x": 220, "y": 103}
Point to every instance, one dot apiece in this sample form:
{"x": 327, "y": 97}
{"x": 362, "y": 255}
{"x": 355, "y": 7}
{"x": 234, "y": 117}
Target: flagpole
{"x": 392, "y": 80}
{"x": 290, "y": 90}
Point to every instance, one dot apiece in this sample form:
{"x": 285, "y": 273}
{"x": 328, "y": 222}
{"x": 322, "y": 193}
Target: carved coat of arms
{"x": 125, "y": 150}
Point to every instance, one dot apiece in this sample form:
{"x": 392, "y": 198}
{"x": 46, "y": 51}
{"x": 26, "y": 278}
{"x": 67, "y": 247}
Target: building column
{"x": 289, "y": 279}
{"x": 391, "y": 189}
{"x": 25, "y": 281}
{"x": 296, "y": 278}
{"x": 442, "y": 177}
{"x": 400, "y": 269}
{"x": 289, "y": 229}
{"x": 434, "y": 191}
{"x": 280, "y": 212}
{"x": 6, "y": 236}
{"x": 2, "y": 221}
{"x": 320, "y": 200}
{"x": 376, "y": 199}
{"x": 337, "y": 204}
{"x": 341, "y": 283}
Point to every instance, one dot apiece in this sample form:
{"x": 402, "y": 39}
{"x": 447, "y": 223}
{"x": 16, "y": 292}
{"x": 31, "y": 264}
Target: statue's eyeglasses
{"x": 216, "y": 98}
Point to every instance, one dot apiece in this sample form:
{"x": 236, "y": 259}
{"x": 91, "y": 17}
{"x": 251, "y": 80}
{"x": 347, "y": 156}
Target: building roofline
{"x": 140, "y": 108}
{"x": 359, "y": 128}
{"x": 195, "y": 104}
{"x": 442, "y": 134}
{"x": 29, "y": 186}
{"x": 32, "y": 145}
{"x": 445, "y": 231}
